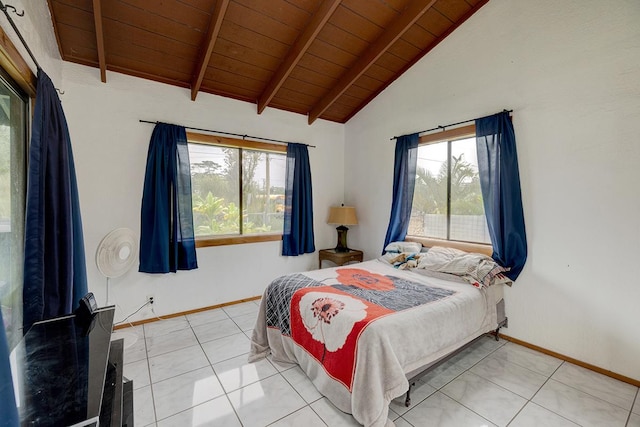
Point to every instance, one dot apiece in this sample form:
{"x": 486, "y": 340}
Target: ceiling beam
{"x": 207, "y": 46}
{"x": 411, "y": 63}
{"x": 394, "y": 31}
{"x": 317, "y": 22}
{"x": 97, "y": 18}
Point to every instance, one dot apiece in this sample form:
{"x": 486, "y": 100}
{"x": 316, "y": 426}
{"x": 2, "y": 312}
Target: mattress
{"x": 409, "y": 333}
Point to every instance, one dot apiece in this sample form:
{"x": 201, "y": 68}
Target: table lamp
{"x": 343, "y": 215}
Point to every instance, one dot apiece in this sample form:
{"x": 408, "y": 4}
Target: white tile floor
{"x": 193, "y": 371}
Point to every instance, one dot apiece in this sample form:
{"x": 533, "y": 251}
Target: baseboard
{"x": 184, "y": 313}
{"x": 572, "y": 360}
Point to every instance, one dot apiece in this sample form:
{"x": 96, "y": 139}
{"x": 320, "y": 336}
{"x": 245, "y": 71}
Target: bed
{"x": 363, "y": 332}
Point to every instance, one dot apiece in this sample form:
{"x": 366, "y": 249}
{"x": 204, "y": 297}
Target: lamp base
{"x": 342, "y": 239}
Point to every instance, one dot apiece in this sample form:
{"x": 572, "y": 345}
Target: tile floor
{"x": 193, "y": 371}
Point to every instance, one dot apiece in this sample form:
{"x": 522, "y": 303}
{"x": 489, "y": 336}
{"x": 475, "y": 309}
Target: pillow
{"x": 492, "y": 274}
{"x": 399, "y": 247}
{"x": 477, "y": 269}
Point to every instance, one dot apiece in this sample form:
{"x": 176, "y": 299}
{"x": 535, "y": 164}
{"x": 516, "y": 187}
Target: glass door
{"x": 13, "y": 149}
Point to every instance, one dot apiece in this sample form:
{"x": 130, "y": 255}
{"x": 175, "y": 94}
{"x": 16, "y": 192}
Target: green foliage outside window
{"x": 447, "y": 200}
{"x": 430, "y": 194}
{"x": 219, "y": 184}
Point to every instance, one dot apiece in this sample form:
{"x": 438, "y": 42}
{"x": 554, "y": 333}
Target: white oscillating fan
{"x": 116, "y": 253}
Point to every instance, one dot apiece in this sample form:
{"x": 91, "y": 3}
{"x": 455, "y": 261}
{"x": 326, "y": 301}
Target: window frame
{"x": 222, "y": 141}
{"x": 17, "y": 68}
{"x": 449, "y": 135}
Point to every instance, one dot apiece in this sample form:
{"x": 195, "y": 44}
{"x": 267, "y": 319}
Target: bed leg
{"x": 503, "y": 324}
{"x": 407, "y": 400}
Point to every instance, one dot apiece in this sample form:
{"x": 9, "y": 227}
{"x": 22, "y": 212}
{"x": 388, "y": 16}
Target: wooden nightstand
{"x": 339, "y": 258}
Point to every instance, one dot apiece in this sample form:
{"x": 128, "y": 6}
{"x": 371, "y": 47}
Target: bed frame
{"x": 503, "y": 322}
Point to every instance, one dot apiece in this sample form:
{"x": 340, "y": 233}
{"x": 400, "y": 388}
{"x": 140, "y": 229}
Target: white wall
{"x": 36, "y": 28}
{"x": 110, "y": 148}
{"x": 570, "y": 70}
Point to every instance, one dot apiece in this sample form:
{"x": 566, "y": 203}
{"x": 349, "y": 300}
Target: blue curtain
{"x": 167, "y": 243}
{"x": 55, "y": 276}
{"x": 8, "y": 410}
{"x": 297, "y": 237}
{"x": 500, "y": 183}
{"x": 404, "y": 180}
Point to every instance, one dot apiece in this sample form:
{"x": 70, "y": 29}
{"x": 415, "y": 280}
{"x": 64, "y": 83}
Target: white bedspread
{"x": 390, "y": 346}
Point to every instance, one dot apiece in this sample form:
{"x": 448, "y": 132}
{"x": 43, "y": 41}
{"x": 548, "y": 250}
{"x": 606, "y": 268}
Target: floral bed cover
{"x": 357, "y": 330}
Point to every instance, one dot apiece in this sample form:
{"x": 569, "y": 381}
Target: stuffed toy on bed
{"x": 405, "y": 260}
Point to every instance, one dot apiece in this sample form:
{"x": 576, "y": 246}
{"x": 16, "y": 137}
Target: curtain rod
{"x": 4, "y": 9}
{"x": 233, "y": 134}
{"x": 448, "y": 126}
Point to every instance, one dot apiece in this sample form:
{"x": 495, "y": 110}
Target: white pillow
{"x": 478, "y": 269}
{"x": 411, "y": 247}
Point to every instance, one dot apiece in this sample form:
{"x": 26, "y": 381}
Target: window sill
{"x": 204, "y": 242}
{"x": 481, "y": 248}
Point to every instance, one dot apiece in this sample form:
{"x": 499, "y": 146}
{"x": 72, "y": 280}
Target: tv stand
{"x": 67, "y": 372}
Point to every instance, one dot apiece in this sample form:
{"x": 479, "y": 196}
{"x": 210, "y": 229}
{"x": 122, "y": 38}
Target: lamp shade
{"x": 343, "y": 215}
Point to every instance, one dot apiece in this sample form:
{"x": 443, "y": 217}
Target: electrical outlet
{"x": 150, "y": 299}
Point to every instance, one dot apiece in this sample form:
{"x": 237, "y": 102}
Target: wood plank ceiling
{"x": 322, "y": 58}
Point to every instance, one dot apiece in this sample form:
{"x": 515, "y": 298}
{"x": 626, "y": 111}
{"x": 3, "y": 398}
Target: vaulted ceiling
{"x": 321, "y": 58}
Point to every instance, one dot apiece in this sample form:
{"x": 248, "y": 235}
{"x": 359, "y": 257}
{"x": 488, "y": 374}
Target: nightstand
{"x": 339, "y": 258}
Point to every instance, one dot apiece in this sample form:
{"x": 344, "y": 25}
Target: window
{"x": 13, "y": 147}
{"x": 237, "y": 188}
{"x": 447, "y": 200}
